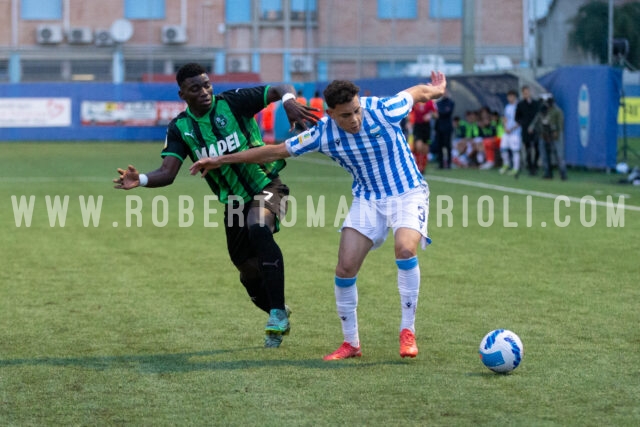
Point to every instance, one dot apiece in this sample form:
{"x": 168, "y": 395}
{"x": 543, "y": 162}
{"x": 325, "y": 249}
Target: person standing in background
{"x": 317, "y": 103}
{"x": 489, "y": 134}
{"x": 511, "y": 141}
{"x": 526, "y": 110}
{"x": 300, "y": 98}
{"x": 422, "y": 113}
{"x": 549, "y": 125}
{"x": 444, "y": 129}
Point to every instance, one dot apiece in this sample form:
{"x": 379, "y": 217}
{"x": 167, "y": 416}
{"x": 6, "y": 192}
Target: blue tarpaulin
{"x": 590, "y": 99}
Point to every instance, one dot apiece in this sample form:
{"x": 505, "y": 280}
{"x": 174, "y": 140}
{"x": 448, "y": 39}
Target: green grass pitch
{"x": 149, "y": 325}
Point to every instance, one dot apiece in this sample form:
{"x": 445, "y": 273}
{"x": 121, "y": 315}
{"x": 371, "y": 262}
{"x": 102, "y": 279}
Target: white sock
{"x": 505, "y": 157}
{"x": 516, "y": 159}
{"x": 347, "y": 304}
{"x": 409, "y": 288}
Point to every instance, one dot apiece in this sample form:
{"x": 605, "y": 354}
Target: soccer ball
{"x": 622, "y": 168}
{"x": 501, "y": 351}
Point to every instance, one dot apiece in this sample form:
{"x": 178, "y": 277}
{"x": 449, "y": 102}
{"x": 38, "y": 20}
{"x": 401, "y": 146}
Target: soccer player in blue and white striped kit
{"x": 363, "y": 135}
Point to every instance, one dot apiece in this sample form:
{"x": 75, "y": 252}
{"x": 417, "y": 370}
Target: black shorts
{"x": 271, "y": 197}
{"x": 422, "y": 132}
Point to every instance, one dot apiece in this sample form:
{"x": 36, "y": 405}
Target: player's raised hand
{"x": 204, "y": 165}
{"x": 439, "y": 83}
{"x": 300, "y": 114}
{"x": 432, "y": 90}
{"x": 129, "y": 178}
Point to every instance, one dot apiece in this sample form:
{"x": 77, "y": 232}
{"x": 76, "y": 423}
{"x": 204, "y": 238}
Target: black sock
{"x": 251, "y": 278}
{"x": 271, "y": 263}
{"x": 258, "y": 295}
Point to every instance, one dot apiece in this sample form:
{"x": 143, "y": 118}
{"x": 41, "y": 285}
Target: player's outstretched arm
{"x": 264, "y": 154}
{"x": 297, "y": 113}
{"x": 130, "y": 178}
{"x": 434, "y": 89}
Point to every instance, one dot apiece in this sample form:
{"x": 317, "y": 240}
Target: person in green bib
{"x": 214, "y": 125}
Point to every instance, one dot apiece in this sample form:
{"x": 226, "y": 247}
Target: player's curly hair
{"x": 340, "y": 92}
{"x": 189, "y": 70}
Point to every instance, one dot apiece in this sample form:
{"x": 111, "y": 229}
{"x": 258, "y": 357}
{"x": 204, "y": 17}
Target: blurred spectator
{"x": 422, "y": 113}
{"x": 526, "y": 110}
{"x": 464, "y": 152}
{"x": 511, "y": 141}
{"x": 267, "y": 123}
{"x": 318, "y": 103}
{"x": 300, "y": 98}
{"x": 459, "y": 144}
{"x": 496, "y": 120}
{"x": 549, "y": 125}
{"x": 444, "y": 129}
{"x": 490, "y": 142}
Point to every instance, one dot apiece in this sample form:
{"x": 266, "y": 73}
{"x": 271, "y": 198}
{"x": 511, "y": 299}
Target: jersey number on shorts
{"x": 422, "y": 215}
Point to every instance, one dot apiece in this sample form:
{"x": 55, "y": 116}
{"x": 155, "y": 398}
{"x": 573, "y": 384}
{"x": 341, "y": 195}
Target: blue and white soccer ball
{"x": 501, "y": 351}
{"x": 622, "y": 168}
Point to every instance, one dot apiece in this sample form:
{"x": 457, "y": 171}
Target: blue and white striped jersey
{"x": 378, "y": 157}
{"x": 510, "y": 116}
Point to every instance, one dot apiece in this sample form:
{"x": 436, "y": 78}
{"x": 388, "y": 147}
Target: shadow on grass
{"x": 188, "y": 362}
{"x": 487, "y": 374}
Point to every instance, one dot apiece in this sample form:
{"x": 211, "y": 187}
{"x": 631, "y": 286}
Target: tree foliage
{"x": 590, "y": 35}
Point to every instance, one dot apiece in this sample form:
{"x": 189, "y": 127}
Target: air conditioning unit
{"x": 301, "y": 64}
{"x": 49, "y": 34}
{"x": 239, "y": 64}
{"x": 174, "y": 34}
{"x": 80, "y": 35}
{"x": 103, "y": 38}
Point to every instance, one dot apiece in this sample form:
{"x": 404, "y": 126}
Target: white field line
{"x": 525, "y": 192}
{"x": 498, "y": 188}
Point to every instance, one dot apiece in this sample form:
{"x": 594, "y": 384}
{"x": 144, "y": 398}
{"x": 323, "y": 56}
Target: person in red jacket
{"x": 422, "y": 113}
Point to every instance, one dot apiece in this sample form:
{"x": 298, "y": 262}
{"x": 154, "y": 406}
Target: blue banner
{"x": 590, "y": 99}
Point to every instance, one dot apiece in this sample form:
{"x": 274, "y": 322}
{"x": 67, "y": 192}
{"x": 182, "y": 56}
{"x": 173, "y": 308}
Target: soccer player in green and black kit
{"x": 213, "y": 126}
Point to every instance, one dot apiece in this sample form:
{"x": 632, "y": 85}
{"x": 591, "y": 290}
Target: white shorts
{"x": 374, "y": 218}
{"x": 511, "y": 141}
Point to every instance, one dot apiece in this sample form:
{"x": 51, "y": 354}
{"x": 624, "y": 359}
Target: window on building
{"x": 41, "y": 71}
{"x": 139, "y": 69}
{"x": 391, "y": 69}
{"x": 4, "y": 71}
{"x": 303, "y": 5}
{"x": 445, "y": 9}
{"x": 301, "y": 9}
{"x": 237, "y": 11}
{"x": 271, "y": 10}
{"x": 41, "y": 10}
{"x": 98, "y": 70}
{"x": 144, "y": 9}
{"x": 397, "y": 9}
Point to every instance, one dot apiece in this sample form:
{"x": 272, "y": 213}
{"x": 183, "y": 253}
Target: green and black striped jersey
{"x": 229, "y": 127}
